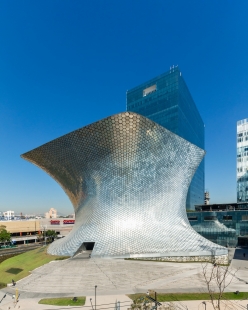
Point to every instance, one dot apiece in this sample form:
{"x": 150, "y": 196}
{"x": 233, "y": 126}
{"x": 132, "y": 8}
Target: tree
{"x": 143, "y": 304}
{"x": 2, "y": 227}
{"x": 217, "y": 278}
{"x": 4, "y": 235}
{"x": 51, "y": 235}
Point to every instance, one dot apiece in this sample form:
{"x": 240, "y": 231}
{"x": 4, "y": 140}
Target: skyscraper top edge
{"x": 172, "y": 70}
{"x": 242, "y": 121}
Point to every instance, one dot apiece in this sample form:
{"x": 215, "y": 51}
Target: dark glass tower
{"x": 167, "y": 101}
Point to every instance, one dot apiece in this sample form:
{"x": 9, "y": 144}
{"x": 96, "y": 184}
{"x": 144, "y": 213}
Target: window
{"x": 149, "y": 90}
{"x": 244, "y": 217}
{"x": 192, "y": 218}
{"x": 210, "y": 218}
{"x": 227, "y": 217}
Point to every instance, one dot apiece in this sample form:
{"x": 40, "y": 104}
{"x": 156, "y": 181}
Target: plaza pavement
{"x": 78, "y": 276}
{"x": 114, "y": 278}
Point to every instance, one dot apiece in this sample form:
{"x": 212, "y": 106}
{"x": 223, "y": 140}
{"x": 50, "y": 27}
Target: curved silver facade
{"x": 127, "y": 178}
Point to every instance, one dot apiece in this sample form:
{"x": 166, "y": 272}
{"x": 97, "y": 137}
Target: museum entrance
{"x": 89, "y": 246}
{"x": 84, "y": 251}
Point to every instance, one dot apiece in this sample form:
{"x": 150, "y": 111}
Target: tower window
{"x": 149, "y": 90}
{"x": 192, "y": 218}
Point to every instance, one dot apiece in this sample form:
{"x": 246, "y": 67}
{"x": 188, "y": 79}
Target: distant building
{"x": 167, "y": 101}
{"x": 225, "y": 224}
{"x": 222, "y": 228}
{"x": 242, "y": 160}
{"x": 29, "y": 231}
{"x": 223, "y": 207}
{"x": 51, "y": 214}
{"x": 206, "y": 198}
{"x": 8, "y": 215}
{"x": 22, "y": 231}
{"x": 62, "y": 226}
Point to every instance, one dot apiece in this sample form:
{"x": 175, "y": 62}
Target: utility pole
{"x": 44, "y": 233}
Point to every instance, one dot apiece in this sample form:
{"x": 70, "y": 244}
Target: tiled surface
{"x": 116, "y": 276}
{"x": 127, "y": 178}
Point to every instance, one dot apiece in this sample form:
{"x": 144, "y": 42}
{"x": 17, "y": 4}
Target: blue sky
{"x": 65, "y": 64}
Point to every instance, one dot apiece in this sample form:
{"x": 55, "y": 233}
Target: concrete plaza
{"x": 79, "y": 275}
{"x": 114, "y": 278}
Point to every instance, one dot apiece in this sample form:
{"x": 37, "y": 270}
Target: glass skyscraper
{"x": 167, "y": 101}
{"x": 242, "y": 160}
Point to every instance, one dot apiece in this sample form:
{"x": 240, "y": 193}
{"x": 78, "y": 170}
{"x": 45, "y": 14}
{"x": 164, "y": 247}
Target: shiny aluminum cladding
{"x": 127, "y": 178}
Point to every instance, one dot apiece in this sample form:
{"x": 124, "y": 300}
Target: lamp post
{"x": 44, "y": 232}
{"x": 95, "y": 296}
{"x": 91, "y": 303}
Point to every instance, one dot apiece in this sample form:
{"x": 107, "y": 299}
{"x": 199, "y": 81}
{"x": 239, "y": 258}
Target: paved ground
{"x": 79, "y": 276}
{"x": 115, "y": 278}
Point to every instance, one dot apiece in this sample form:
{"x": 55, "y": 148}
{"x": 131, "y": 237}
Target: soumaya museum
{"x": 129, "y": 177}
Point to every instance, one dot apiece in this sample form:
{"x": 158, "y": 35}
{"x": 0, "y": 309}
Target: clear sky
{"x": 65, "y": 64}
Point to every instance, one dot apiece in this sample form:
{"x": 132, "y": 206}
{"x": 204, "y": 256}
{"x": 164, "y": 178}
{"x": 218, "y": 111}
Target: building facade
{"x": 9, "y": 215}
{"x": 242, "y": 160}
{"x": 127, "y": 178}
{"x": 51, "y": 214}
{"x": 221, "y": 223}
{"x": 206, "y": 198}
{"x": 29, "y": 231}
{"x": 167, "y": 101}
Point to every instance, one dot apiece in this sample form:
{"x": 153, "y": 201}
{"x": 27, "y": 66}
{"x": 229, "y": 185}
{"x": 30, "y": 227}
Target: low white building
{"x": 8, "y": 215}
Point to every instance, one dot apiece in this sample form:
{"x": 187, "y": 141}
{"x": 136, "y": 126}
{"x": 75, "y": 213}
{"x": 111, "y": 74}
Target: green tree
{"x": 2, "y": 227}
{"x": 51, "y": 235}
{"x": 4, "y": 235}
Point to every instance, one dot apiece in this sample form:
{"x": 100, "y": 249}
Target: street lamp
{"x": 95, "y": 296}
{"x": 91, "y": 303}
{"x": 44, "y": 232}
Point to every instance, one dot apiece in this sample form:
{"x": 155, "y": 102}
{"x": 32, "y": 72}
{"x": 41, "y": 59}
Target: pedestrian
{"x": 244, "y": 255}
